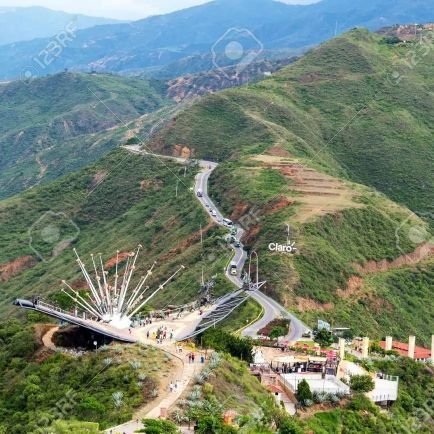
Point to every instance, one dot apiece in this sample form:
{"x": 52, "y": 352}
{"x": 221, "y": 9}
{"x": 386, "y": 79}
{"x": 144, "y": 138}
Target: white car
{"x": 228, "y": 223}
{"x": 213, "y": 213}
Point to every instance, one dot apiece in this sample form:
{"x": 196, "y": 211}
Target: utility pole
{"x": 289, "y": 233}
{"x": 177, "y": 183}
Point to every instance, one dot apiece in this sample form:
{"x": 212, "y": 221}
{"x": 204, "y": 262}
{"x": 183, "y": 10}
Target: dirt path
{"x": 163, "y": 388}
{"x": 182, "y": 377}
{"x": 47, "y": 339}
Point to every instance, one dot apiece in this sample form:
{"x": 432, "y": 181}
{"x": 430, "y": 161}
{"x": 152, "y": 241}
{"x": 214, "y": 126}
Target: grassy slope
{"x": 242, "y": 316}
{"x": 134, "y": 204}
{"x": 54, "y": 125}
{"x": 329, "y": 247}
{"x": 337, "y": 111}
{"x": 236, "y": 388}
{"x": 37, "y": 386}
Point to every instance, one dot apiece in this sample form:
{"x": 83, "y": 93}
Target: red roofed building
{"x": 421, "y": 354}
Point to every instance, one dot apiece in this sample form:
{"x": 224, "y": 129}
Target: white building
{"x": 328, "y": 384}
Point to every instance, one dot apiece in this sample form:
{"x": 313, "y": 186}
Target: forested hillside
{"x": 56, "y": 124}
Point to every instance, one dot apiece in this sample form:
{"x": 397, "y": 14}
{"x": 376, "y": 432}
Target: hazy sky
{"x": 121, "y": 9}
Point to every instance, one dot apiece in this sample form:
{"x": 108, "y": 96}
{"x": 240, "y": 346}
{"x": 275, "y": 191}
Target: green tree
{"x": 362, "y": 383}
{"x": 209, "y": 425}
{"x": 324, "y": 338}
{"x": 227, "y": 343}
{"x": 303, "y": 392}
{"x": 277, "y": 332}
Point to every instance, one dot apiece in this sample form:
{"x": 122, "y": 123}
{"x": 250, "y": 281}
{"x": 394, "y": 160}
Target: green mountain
{"x": 53, "y": 125}
{"x": 340, "y": 106}
{"x": 208, "y": 29}
{"x": 325, "y": 146}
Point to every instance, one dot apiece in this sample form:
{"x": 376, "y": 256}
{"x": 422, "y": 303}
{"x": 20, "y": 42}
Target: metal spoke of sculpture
{"x": 118, "y": 302}
{"x": 253, "y": 286}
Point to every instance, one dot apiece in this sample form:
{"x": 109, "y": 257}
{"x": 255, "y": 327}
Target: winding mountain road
{"x": 272, "y": 309}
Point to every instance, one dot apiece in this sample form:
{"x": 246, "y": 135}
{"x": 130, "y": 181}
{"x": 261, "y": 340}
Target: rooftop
{"x": 402, "y": 349}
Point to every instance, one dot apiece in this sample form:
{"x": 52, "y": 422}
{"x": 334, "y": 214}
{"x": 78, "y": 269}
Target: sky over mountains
{"x": 119, "y": 9}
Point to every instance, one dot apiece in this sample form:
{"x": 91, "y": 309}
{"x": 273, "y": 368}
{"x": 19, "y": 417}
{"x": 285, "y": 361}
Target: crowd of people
{"x": 161, "y": 334}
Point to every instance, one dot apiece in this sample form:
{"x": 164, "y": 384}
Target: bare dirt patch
{"x": 277, "y": 151}
{"x": 307, "y": 305}
{"x": 149, "y": 184}
{"x": 379, "y": 305}
{"x": 43, "y": 351}
{"x": 353, "y": 290}
{"x": 16, "y": 266}
{"x": 121, "y": 257}
{"x": 98, "y": 178}
{"x": 251, "y": 234}
{"x": 317, "y": 194}
{"x": 422, "y": 252}
{"x": 240, "y": 210}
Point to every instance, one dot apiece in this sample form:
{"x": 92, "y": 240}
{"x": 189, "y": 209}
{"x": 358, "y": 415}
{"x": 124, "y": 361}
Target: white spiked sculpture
{"x": 114, "y": 304}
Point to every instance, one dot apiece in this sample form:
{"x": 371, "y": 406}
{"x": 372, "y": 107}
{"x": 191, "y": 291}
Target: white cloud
{"x": 120, "y": 9}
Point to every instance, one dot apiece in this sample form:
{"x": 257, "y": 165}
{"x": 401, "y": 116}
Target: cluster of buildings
{"x": 329, "y": 372}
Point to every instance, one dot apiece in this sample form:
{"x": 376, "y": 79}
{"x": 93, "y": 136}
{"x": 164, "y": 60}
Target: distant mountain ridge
{"x": 24, "y": 24}
{"x": 207, "y": 29}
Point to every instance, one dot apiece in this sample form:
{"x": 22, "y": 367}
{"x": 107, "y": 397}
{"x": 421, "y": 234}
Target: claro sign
{"x": 282, "y": 248}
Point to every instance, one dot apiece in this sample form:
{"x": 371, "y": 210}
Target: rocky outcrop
{"x": 183, "y": 151}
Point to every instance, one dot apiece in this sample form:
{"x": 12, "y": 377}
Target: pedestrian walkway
{"x": 186, "y": 375}
{"x": 189, "y": 371}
